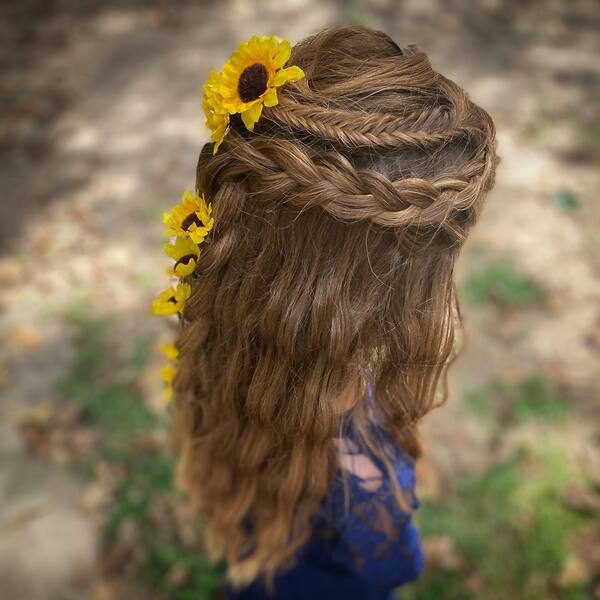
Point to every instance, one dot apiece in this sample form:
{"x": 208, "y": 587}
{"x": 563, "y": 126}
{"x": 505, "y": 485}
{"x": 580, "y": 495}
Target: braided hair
{"x": 338, "y": 222}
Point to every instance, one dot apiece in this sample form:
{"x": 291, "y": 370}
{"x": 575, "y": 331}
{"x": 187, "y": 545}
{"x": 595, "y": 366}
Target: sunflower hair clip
{"x": 247, "y": 83}
{"x": 187, "y": 226}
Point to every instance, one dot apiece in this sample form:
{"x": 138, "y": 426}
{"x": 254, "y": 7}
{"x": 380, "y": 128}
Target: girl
{"x": 319, "y": 320}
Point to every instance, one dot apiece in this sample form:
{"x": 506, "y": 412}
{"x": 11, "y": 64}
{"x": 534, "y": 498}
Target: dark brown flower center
{"x": 252, "y": 82}
{"x": 190, "y": 220}
{"x": 172, "y": 299}
{"x": 185, "y": 260}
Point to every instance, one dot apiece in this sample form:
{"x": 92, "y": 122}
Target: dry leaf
{"x": 23, "y": 337}
{"x": 477, "y": 585}
{"x": 429, "y": 482}
{"x": 575, "y": 572}
{"x": 95, "y": 497}
{"x": 53, "y": 430}
{"x": 11, "y": 271}
{"x": 126, "y": 555}
{"x": 587, "y": 548}
{"x": 441, "y": 553}
{"x": 178, "y": 576}
{"x": 582, "y": 499}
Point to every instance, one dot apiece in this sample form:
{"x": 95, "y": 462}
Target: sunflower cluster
{"x": 167, "y": 373}
{"x": 187, "y": 225}
{"x": 247, "y": 83}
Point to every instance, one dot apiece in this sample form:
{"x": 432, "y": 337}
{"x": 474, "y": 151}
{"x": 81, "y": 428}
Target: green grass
{"x": 147, "y": 482}
{"x": 511, "y": 527}
{"x": 113, "y": 404}
{"x": 500, "y": 283}
{"x": 565, "y": 200}
{"x": 501, "y": 402}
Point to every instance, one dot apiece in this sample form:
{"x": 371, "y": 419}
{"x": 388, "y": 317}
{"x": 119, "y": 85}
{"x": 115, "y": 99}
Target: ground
{"x": 99, "y": 133}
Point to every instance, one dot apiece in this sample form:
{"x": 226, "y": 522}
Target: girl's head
{"x": 338, "y": 221}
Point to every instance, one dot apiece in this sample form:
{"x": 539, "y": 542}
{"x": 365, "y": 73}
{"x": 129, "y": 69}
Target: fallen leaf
{"x": 94, "y": 497}
{"x": 178, "y": 576}
{"x": 429, "y": 482}
{"x": 477, "y": 585}
{"x": 23, "y": 337}
{"x": 582, "y": 499}
{"x": 574, "y": 573}
{"x": 587, "y": 547}
{"x": 11, "y": 271}
{"x": 441, "y": 553}
{"x": 126, "y": 556}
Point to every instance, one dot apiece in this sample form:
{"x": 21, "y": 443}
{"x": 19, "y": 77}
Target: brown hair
{"x": 337, "y": 225}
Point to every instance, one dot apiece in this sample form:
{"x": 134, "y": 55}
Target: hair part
{"x": 338, "y": 222}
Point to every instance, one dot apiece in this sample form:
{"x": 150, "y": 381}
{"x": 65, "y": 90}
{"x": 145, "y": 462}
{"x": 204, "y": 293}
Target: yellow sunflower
{"x": 170, "y": 351}
{"x": 191, "y": 217}
{"x": 217, "y": 117}
{"x": 167, "y": 374}
{"x": 171, "y": 301}
{"x": 248, "y": 82}
{"x": 185, "y": 253}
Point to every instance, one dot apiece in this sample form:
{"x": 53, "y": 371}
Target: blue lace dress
{"x": 360, "y": 549}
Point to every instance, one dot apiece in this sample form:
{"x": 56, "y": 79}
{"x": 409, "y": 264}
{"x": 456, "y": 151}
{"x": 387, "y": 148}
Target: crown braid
{"x": 309, "y": 150}
{"x": 284, "y": 169}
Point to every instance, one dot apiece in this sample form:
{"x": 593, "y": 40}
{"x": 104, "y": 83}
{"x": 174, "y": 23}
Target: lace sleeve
{"x": 376, "y": 538}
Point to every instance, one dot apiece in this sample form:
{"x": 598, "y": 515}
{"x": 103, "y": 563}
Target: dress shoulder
{"x": 370, "y": 506}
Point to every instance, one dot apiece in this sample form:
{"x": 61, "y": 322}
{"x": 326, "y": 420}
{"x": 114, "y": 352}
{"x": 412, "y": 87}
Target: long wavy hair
{"x": 338, "y": 222}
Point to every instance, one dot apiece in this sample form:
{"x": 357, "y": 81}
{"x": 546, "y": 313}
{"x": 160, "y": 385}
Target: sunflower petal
{"x": 184, "y": 269}
{"x": 270, "y": 97}
{"x": 288, "y": 75}
{"x": 167, "y": 374}
{"x": 168, "y": 394}
{"x": 251, "y": 116}
{"x": 183, "y": 291}
{"x": 282, "y": 55}
{"x": 170, "y": 351}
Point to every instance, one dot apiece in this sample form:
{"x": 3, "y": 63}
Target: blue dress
{"x": 361, "y": 549}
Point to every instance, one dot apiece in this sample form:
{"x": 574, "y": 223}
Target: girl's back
{"x": 363, "y": 544}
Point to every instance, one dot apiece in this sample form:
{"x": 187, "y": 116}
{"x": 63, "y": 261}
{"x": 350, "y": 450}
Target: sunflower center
{"x": 185, "y": 260}
{"x": 172, "y": 299}
{"x": 191, "y": 219}
{"x": 252, "y": 82}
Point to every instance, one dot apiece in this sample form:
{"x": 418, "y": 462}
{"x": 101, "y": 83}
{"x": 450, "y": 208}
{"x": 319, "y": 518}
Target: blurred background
{"x": 100, "y": 129}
